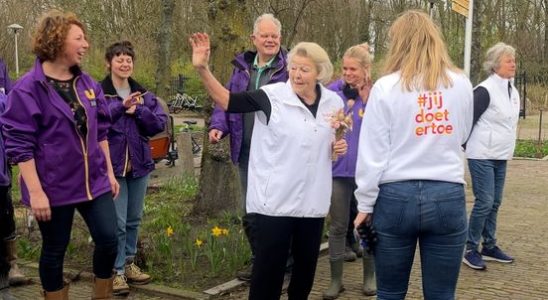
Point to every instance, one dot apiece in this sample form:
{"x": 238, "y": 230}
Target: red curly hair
{"x": 51, "y": 32}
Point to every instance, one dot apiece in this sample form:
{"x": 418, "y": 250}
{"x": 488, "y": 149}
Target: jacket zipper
{"x": 84, "y": 149}
{"x": 126, "y": 163}
{"x": 274, "y": 73}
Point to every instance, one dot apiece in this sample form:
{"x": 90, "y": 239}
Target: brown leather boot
{"x": 102, "y": 289}
{"x": 16, "y": 277}
{"x": 61, "y": 294}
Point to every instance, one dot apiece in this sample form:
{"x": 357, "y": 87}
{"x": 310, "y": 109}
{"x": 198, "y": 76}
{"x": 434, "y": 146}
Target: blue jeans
{"x": 101, "y": 221}
{"x": 432, "y": 213}
{"x": 487, "y": 183}
{"x": 129, "y": 210}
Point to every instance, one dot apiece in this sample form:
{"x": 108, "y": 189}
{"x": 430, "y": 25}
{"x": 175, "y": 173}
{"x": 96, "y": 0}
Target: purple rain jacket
{"x": 232, "y": 123}
{"x": 128, "y": 136}
{"x": 345, "y": 166}
{"x": 38, "y": 124}
{"x": 5, "y": 82}
{"x": 5, "y": 175}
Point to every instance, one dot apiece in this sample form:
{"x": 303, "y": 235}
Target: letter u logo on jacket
{"x": 90, "y": 94}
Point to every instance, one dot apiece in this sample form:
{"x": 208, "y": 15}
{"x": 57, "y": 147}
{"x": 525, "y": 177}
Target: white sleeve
{"x": 373, "y": 150}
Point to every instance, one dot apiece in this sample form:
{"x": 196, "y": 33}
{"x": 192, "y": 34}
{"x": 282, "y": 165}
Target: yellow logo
{"x": 90, "y": 94}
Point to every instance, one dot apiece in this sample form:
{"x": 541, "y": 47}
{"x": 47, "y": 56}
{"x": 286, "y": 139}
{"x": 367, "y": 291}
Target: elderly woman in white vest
{"x": 289, "y": 179}
{"x": 491, "y": 145}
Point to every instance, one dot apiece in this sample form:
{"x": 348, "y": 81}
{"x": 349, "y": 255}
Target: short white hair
{"x": 265, "y": 17}
{"x": 318, "y": 55}
{"x": 494, "y": 54}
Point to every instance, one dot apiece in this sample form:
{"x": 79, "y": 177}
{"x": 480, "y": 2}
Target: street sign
{"x": 459, "y": 8}
{"x": 463, "y": 3}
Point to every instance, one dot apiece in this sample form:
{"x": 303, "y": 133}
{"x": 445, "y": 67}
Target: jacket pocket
{"x": 48, "y": 161}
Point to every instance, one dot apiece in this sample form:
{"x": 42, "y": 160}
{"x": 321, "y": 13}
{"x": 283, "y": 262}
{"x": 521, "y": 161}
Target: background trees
{"x": 159, "y": 29}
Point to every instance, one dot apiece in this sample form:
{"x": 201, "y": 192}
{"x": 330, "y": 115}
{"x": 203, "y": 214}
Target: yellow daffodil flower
{"x": 169, "y": 231}
{"x": 216, "y": 231}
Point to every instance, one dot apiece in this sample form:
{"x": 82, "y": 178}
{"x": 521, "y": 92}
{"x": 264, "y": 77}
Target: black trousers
{"x": 100, "y": 217}
{"x": 7, "y": 226}
{"x": 275, "y": 235}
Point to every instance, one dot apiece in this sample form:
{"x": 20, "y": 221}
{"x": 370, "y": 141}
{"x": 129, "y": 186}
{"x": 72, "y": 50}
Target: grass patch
{"x": 531, "y": 149}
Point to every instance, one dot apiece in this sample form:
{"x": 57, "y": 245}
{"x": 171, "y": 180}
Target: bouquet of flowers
{"x": 341, "y": 121}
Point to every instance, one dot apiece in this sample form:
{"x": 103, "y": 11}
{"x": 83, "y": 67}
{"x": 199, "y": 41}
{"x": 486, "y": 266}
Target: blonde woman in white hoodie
{"x": 491, "y": 145}
{"x": 410, "y": 169}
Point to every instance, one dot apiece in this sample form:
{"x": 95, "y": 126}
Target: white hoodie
{"x": 412, "y": 135}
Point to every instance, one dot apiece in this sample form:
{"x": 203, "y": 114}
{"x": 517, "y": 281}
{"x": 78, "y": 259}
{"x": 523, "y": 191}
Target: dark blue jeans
{"x": 487, "y": 183}
{"x": 432, "y": 213}
{"x": 100, "y": 217}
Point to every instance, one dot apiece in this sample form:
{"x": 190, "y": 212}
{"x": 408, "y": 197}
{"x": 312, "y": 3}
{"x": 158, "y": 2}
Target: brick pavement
{"x": 80, "y": 289}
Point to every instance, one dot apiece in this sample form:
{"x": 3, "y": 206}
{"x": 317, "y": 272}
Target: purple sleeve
{"x": 116, "y": 108}
{"x": 219, "y": 120}
{"x": 20, "y": 126}
{"x": 150, "y": 117}
{"x": 104, "y": 118}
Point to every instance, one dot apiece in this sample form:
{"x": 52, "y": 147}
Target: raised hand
{"x": 200, "y": 49}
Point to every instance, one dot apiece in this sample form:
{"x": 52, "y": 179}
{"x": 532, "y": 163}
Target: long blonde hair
{"x": 418, "y": 52}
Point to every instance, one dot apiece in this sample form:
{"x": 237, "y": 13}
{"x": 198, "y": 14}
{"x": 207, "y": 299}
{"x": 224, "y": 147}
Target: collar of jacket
{"x": 110, "y": 90}
{"x": 244, "y": 60}
{"x": 38, "y": 71}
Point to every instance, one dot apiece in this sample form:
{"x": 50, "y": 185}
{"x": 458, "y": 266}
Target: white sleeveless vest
{"x": 494, "y": 135}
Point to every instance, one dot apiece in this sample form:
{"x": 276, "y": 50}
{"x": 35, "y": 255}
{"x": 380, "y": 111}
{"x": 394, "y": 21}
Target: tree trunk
{"x": 164, "y": 42}
{"x": 545, "y": 31}
{"x": 476, "y": 55}
{"x": 365, "y": 21}
{"x": 219, "y": 179}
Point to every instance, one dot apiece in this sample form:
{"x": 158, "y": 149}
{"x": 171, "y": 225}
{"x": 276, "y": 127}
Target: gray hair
{"x": 265, "y": 17}
{"x": 494, "y": 54}
{"x": 318, "y": 55}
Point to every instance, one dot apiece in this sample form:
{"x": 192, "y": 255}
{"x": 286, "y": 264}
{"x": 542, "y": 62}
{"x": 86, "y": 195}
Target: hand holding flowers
{"x": 341, "y": 122}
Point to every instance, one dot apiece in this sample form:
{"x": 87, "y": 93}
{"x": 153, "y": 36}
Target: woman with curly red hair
{"x": 55, "y": 128}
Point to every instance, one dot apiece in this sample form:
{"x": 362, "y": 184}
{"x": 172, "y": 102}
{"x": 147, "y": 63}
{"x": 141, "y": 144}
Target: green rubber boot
{"x": 336, "y": 287}
{"x": 369, "y": 280}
